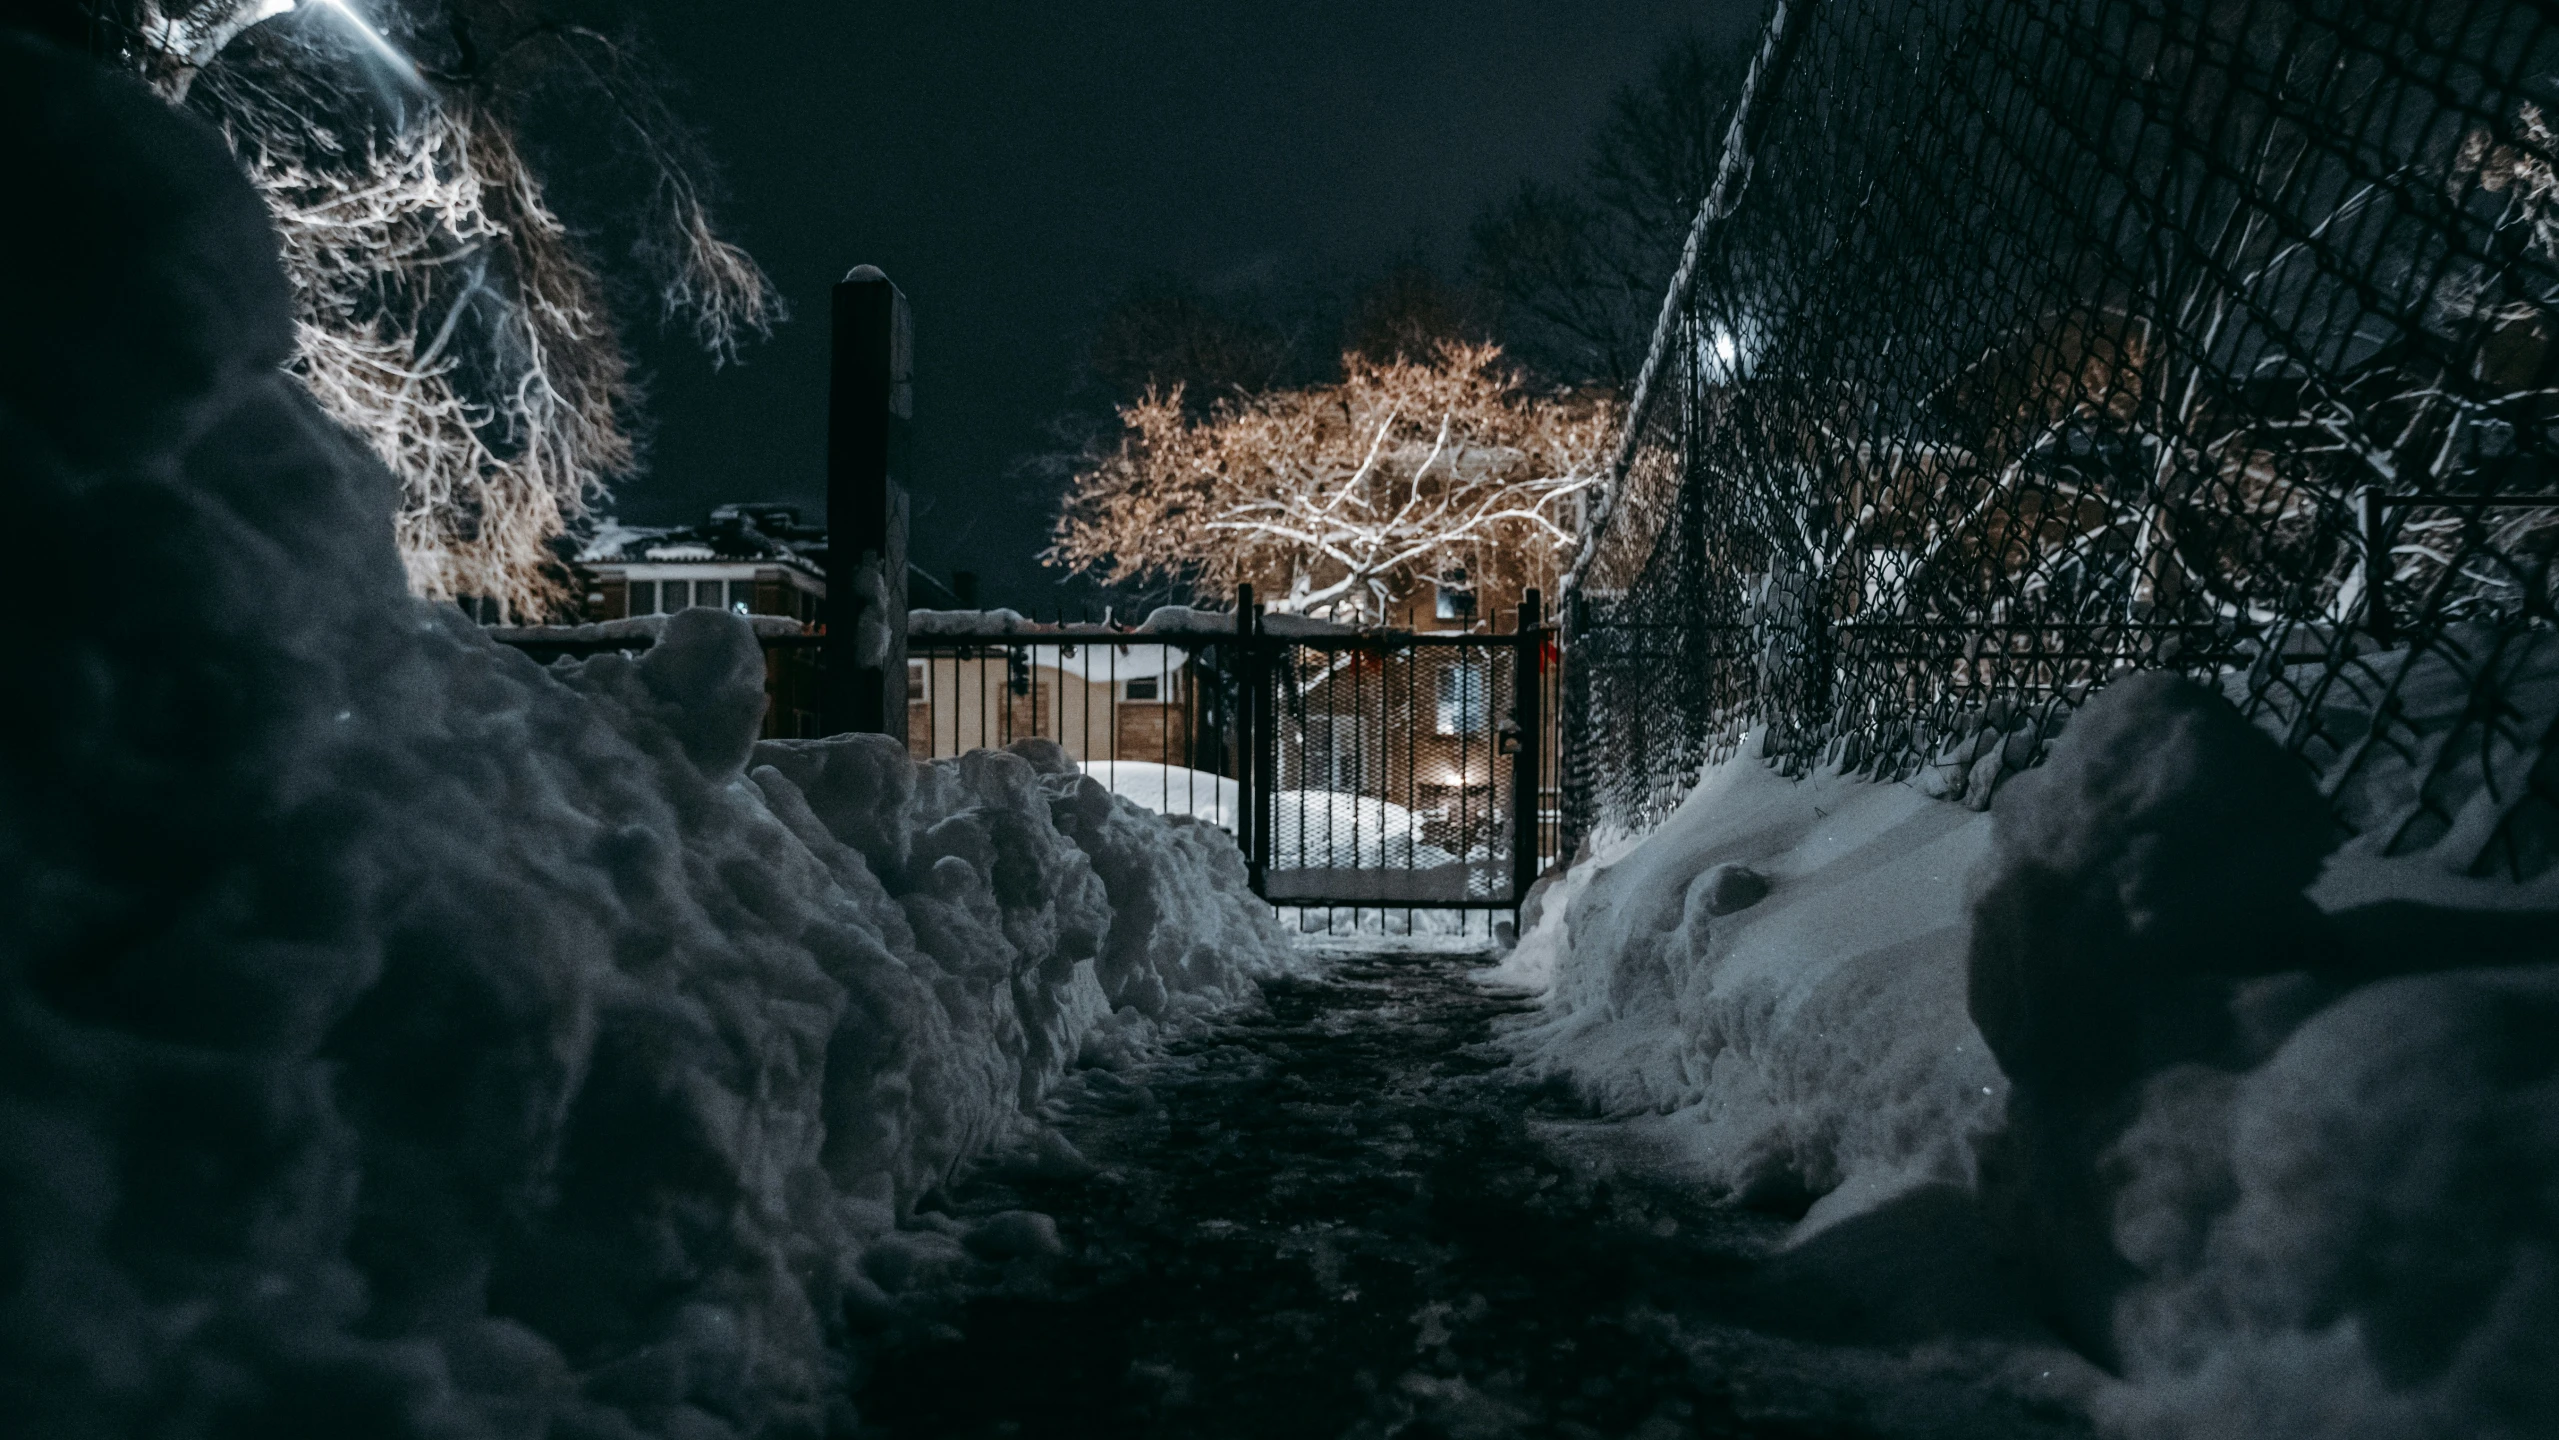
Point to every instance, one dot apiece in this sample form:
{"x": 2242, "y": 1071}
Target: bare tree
{"x": 447, "y": 313}
{"x": 1579, "y": 268}
{"x": 1339, "y": 499}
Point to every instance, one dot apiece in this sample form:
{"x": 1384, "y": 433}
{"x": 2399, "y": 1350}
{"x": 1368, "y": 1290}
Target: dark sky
{"x": 1012, "y": 166}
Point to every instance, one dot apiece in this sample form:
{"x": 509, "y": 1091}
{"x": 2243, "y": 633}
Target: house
{"x": 753, "y": 559}
{"x": 1101, "y": 698}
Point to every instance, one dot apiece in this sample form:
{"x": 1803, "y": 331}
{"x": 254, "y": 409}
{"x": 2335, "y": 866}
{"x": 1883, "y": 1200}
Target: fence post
{"x": 1247, "y": 749}
{"x": 1266, "y": 738}
{"x": 2376, "y": 545}
{"x": 1573, "y": 736}
{"x": 1527, "y": 697}
{"x": 870, "y": 403}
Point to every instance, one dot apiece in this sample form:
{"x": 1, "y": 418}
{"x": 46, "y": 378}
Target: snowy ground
{"x": 1345, "y": 1217}
{"x": 2266, "y": 1128}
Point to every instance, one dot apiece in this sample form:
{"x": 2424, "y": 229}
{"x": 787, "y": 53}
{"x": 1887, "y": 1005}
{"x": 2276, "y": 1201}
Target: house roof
{"x": 771, "y": 534}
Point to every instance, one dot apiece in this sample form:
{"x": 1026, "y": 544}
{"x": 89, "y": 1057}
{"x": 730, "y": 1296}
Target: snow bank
{"x": 634, "y": 627}
{"x": 1171, "y": 789}
{"x": 1310, "y": 829}
{"x": 1188, "y": 620}
{"x": 1812, "y": 1042}
{"x": 2273, "y": 1134}
{"x": 972, "y": 622}
{"x": 401, "y": 1039}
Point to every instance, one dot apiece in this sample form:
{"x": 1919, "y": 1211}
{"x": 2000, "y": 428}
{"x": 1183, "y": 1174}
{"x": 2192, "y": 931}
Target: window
{"x": 914, "y": 682}
{"x": 1148, "y": 688}
{"x": 644, "y": 598}
{"x": 1456, "y": 601}
{"x": 742, "y": 596}
{"x": 1464, "y": 698}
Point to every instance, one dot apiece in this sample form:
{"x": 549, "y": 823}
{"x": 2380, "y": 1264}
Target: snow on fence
{"x": 2024, "y": 342}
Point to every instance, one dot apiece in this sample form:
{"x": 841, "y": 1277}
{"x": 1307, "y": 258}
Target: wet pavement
{"x": 1345, "y": 1218}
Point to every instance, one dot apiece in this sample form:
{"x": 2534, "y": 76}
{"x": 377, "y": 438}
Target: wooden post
{"x": 870, "y": 410}
{"x": 1528, "y": 696}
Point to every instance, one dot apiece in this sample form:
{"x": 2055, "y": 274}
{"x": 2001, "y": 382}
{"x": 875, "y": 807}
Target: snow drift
{"x": 398, "y": 1038}
{"x": 2270, "y": 1132}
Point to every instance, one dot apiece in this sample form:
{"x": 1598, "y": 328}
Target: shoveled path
{"x": 1343, "y": 1218}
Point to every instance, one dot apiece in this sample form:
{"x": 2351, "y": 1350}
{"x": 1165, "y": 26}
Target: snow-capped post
{"x": 1528, "y": 694}
{"x": 870, "y": 409}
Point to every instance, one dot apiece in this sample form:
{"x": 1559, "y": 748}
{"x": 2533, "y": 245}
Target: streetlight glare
{"x": 382, "y": 46}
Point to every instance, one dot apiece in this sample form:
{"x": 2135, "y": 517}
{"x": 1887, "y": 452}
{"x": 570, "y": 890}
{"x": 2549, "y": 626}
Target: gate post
{"x": 1573, "y": 730}
{"x": 1248, "y": 749}
{"x": 870, "y": 402}
{"x": 1528, "y": 696}
{"x": 1266, "y": 742}
{"x": 2373, "y": 522}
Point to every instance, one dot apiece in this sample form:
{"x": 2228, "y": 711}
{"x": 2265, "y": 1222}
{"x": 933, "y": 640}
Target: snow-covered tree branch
{"x": 1340, "y": 499}
{"x": 448, "y": 313}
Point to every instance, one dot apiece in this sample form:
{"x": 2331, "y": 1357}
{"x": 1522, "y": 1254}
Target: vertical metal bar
{"x": 1247, "y": 748}
{"x": 2376, "y": 547}
{"x": 1527, "y": 676}
{"x": 1266, "y": 738}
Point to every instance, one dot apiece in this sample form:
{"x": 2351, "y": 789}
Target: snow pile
{"x": 400, "y": 1039}
{"x": 1310, "y": 829}
{"x": 1189, "y": 620}
{"x": 2297, "y": 1172}
{"x": 1808, "y": 1042}
{"x": 1171, "y": 789}
{"x": 2271, "y": 1133}
{"x": 971, "y": 622}
{"x": 631, "y": 628}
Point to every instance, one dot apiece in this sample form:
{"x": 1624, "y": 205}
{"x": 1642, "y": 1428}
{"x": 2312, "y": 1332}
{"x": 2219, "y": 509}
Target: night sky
{"x": 1015, "y": 166}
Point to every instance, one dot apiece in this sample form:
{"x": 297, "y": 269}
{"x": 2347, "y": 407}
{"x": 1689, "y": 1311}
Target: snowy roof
{"x": 767, "y": 533}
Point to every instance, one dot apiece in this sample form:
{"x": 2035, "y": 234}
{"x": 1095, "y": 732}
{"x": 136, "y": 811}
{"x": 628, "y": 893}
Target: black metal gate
{"x": 1358, "y": 770}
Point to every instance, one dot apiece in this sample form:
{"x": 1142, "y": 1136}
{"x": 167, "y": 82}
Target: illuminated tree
{"x": 447, "y": 313}
{"x": 1340, "y": 499}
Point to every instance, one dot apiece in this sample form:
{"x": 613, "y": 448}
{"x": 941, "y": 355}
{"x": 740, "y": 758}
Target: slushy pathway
{"x": 1341, "y": 1219}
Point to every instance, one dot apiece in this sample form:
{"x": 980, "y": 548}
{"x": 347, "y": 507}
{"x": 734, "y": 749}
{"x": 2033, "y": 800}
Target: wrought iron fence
{"x": 2028, "y": 340}
{"x": 1374, "y": 779}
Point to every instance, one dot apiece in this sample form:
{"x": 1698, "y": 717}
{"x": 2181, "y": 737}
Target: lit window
{"x": 1148, "y": 688}
{"x": 1456, "y": 602}
{"x": 1464, "y": 698}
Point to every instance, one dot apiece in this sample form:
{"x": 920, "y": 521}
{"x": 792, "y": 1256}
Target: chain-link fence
{"x": 2050, "y": 337}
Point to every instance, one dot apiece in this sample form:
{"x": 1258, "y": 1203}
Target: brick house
{"x": 753, "y": 559}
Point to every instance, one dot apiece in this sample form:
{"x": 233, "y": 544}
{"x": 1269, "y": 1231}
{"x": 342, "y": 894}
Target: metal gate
{"x": 1359, "y": 770}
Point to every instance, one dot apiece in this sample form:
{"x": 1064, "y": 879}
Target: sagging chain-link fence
{"x": 2051, "y": 337}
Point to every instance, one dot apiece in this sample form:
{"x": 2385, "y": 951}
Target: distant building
{"x": 1100, "y": 698}
{"x": 754, "y": 559}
